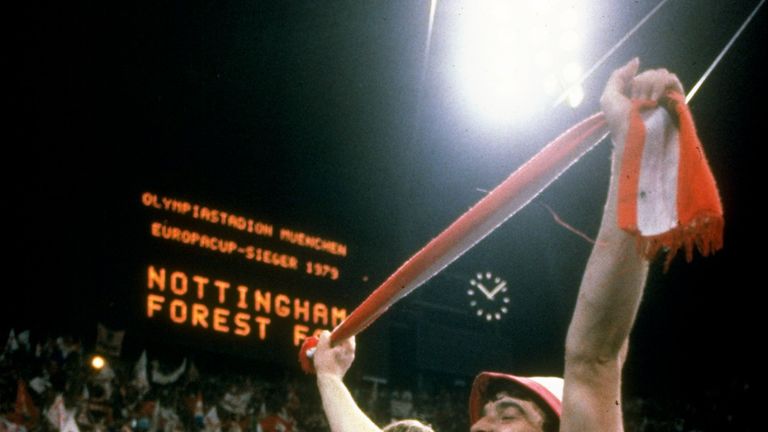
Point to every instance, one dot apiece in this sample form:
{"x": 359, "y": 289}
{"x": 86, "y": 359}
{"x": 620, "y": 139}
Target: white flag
{"x": 109, "y": 341}
{"x": 56, "y": 412}
{"x": 211, "y": 421}
{"x": 140, "y": 379}
{"x": 11, "y": 345}
{"x": 160, "y": 378}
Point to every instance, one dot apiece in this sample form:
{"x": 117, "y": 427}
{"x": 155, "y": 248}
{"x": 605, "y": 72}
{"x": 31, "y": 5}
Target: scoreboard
{"x": 234, "y": 279}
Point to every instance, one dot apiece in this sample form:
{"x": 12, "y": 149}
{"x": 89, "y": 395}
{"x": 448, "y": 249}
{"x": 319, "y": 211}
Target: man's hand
{"x": 624, "y": 85}
{"x": 331, "y": 363}
{"x": 334, "y": 361}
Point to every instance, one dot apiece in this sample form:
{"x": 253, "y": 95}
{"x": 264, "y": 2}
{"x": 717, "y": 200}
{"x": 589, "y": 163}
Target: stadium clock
{"x": 488, "y": 296}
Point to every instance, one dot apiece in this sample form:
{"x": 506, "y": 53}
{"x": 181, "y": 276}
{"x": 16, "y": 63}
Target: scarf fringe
{"x": 705, "y": 233}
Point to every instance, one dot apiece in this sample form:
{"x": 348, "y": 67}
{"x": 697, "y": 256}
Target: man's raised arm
{"x": 613, "y": 281}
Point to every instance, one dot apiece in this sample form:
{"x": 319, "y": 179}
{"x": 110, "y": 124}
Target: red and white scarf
{"x": 667, "y": 194}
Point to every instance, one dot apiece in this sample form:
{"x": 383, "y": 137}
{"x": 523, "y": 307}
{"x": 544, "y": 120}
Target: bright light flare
{"x": 571, "y": 73}
{"x": 98, "y": 362}
{"x": 575, "y": 96}
{"x": 508, "y": 54}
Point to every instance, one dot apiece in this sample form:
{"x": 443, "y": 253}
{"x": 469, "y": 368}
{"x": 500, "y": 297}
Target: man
{"x": 596, "y": 345}
{"x": 610, "y": 292}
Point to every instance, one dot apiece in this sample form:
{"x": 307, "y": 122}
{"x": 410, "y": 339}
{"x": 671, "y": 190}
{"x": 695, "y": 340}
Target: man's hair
{"x": 409, "y": 425}
{"x": 551, "y": 420}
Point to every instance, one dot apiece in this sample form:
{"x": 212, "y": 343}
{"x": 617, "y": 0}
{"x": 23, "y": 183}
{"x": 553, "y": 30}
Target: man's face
{"x": 504, "y": 413}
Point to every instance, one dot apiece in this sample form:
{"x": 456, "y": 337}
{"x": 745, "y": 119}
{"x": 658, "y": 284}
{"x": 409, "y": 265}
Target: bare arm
{"x": 613, "y": 281}
{"x": 331, "y": 363}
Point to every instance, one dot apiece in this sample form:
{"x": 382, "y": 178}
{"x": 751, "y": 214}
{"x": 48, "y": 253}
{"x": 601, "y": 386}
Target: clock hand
{"x": 485, "y": 291}
{"x": 496, "y": 290}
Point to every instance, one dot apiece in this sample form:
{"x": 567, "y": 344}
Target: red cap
{"x": 546, "y": 391}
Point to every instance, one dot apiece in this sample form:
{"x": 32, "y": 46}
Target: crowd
{"x": 52, "y": 384}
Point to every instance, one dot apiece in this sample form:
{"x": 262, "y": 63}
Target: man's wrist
{"x": 329, "y": 376}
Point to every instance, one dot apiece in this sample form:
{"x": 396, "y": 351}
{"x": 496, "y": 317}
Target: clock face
{"x": 488, "y": 296}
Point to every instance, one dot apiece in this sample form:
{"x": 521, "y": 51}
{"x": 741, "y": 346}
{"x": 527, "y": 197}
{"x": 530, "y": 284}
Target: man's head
{"x": 407, "y": 426}
{"x": 507, "y": 403}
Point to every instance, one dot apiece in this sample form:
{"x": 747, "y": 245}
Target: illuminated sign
{"x": 246, "y": 251}
{"x": 217, "y": 305}
{"x": 242, "y": 223}
{"x": 298, "y": 267}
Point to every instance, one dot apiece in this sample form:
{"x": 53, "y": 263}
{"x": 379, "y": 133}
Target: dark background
{"x": 314, "y": 115}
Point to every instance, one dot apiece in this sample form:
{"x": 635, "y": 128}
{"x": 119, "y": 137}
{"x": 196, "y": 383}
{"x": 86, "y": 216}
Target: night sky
{"x": 328, "y": 117}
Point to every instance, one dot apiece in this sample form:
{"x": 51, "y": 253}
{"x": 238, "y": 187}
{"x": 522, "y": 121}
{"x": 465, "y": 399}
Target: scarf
{"x": 667, "y": 196}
